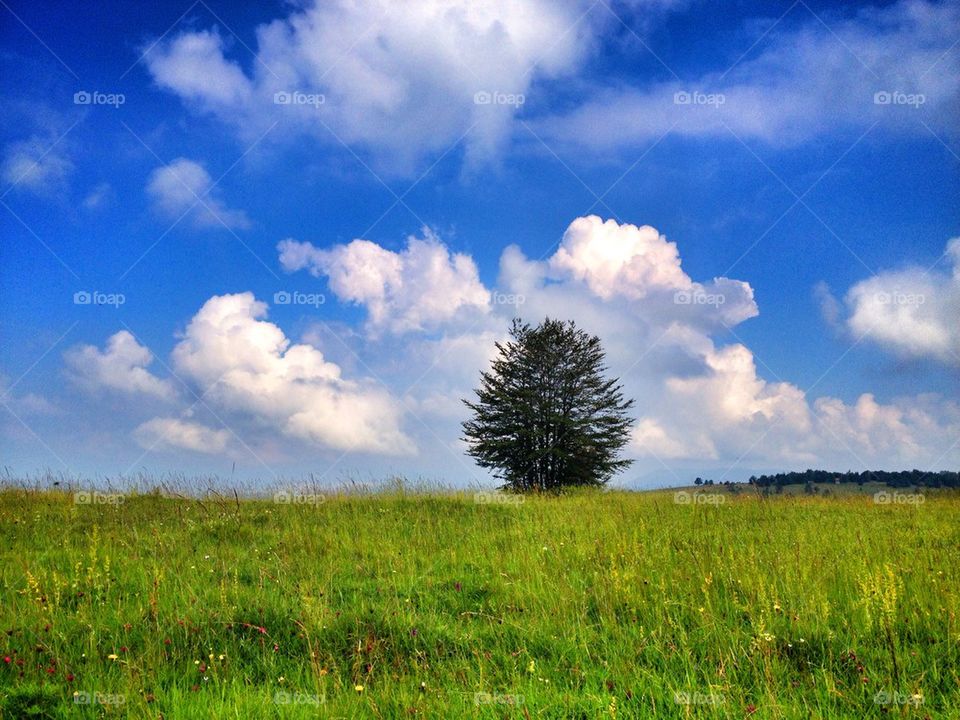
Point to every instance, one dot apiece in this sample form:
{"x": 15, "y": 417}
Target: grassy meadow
{"x": 401, "y": 604}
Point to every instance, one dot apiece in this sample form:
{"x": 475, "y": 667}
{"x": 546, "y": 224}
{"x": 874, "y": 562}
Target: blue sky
{"x": 753, "y": 208}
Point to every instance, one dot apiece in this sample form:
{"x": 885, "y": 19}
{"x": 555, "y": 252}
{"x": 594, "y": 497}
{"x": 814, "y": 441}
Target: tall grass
{"x": 401, "y": 604}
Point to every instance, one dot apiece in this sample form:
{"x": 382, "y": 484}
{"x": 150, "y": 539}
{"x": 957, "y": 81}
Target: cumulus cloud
{"x": 175, "y": 434}
{"x": 421, "y": 287}
{"x": 697, "y": 400}
{"x": 247, "y": 367}
{"x": 913, "y": 312}
{"x": 399, "y": 80}
{"x": 185, "y": 187}
{"x": 121, "y": 366}
{"x": 892, "y": 66}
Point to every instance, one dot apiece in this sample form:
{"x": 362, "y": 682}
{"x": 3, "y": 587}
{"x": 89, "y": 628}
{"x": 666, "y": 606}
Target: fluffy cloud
{"x": 247, "y": 367}
{"x": 121, "y": 366}
{"x": 399, "y": 80}
{"x": 802, "y": 82}
{"x": 184, "y": 186}
{"x": 915, "y": 313}
{"x": 697, "y": 401}
{"x": 421, "y": 287}
{"x": 176, "y": 434}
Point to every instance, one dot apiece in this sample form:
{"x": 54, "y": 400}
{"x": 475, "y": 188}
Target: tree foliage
{"x": 545, "y": 415}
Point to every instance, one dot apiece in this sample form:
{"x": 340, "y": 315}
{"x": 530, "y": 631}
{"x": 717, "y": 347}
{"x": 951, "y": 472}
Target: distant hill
{"x": 898, "y": 479}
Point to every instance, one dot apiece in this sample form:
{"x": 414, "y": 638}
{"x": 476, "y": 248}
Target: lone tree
{"x": 545, "y": 416}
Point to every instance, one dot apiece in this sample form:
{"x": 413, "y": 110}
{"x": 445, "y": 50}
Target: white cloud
{"x": 914, "y": 312}
{"x": 798, "y": 84}
{"x": 399, "y": 80}
{"x": 421, "y": 287}
{"x": 37, "y": 164}
{"x": 184, "y": 186}
{"x": 175, "y": 434}
{"x": 121, "y": 366}
{"x": 696, "y": 401}
{"x": 247, "y": 367}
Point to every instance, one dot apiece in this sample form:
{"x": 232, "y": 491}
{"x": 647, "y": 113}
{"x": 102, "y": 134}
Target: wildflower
{"x": 7, "y": 659}
{"x": 221, "y": 657}
{"x": 358, "y": 688}
{"x": 281, "y": 679}
{"x": 531, "y": 666}
{"x": 112, "y": 656}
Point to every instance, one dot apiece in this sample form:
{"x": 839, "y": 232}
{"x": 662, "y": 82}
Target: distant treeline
{"x": 899, "y": 479}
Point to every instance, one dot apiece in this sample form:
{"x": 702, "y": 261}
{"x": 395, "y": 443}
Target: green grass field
{"x": 401, "y": 604}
